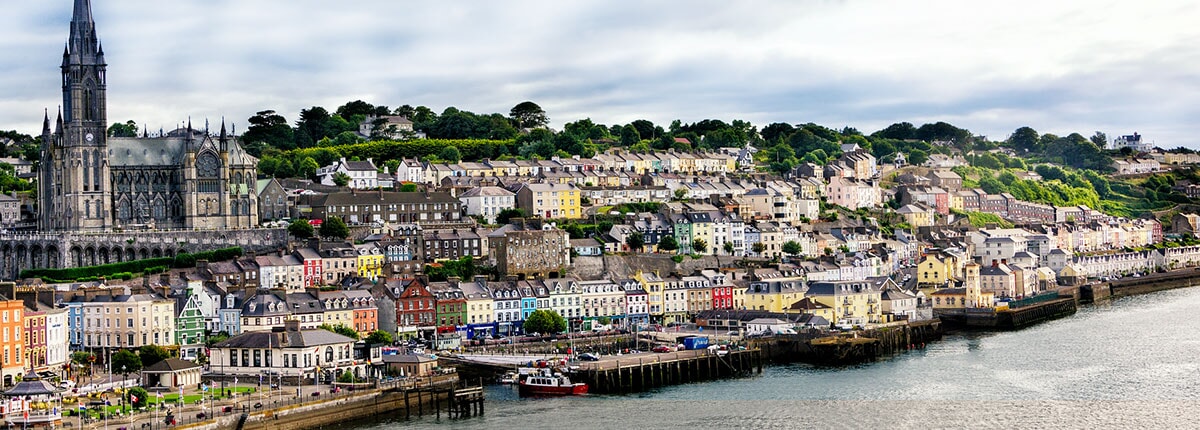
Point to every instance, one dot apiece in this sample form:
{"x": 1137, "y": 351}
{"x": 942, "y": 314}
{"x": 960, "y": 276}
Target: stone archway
{"x": 36, "y": 256}
{"x": 143, "y": 254}
{"x": 118, "y": 255}
{"x": 76, "y": 256}
{"x": 130, "y": 254}
{"x": 52, "y": 257}
{"x": 102, "y": 256}
{"x": 89, "y": 256}
{"x": 169, "y": 253}
{"x": 156, "y": 253}
{"x": 6, "y": 262}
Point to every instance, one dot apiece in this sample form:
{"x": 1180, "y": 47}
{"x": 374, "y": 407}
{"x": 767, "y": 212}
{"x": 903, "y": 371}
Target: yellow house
{"x": 479, "y": 301}
{"x": 935, "y": 270}
{"x": 654, "y": 285}
{"x": 773, "y": 295}
{"x": 370, "y": 261}
{"x": 917, "y": 215}
{"x": 551, "y": 200}
{"x": 338, "y": 310}
{"x": 970, "y": 295}
{"x": 808, "y": 305}
{"x": 853, "y": 302}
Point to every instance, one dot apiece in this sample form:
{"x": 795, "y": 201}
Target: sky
{"x": 1058, "y": 66}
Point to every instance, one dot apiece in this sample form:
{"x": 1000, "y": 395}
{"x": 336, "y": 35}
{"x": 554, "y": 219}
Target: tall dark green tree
{"x": 270, "y": 128}
{"x": 544, "y": 321}
{"x": 300, "y": 229}
{"x": 334, "y": 227}
{"x": 1025, "y": 139}
{"x": 127, "y": 129}
{"x": 527, "y": 115}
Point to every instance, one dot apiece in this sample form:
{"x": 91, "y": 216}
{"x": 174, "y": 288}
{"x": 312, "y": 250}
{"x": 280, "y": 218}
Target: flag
{"x": 133, "y": 398}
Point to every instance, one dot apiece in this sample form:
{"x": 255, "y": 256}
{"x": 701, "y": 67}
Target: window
{"x": 329, "y": 354}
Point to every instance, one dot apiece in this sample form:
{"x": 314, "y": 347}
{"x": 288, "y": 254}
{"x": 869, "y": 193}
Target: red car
{"x": 663, "y": 348}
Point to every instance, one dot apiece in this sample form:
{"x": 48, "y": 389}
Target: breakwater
{"x": 822, "y": 347}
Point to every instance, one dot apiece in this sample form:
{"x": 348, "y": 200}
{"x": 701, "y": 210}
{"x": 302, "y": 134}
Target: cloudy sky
{"x": 1057, "y": 66}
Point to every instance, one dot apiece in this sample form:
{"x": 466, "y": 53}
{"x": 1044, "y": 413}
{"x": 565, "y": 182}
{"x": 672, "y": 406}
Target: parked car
{"x": 67, "y": 384}
{"x": 663, "y": 348}
{"x": 587, "y": 356}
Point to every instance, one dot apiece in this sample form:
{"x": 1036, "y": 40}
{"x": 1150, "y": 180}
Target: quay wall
{"x": 336, "y": 412}
{"x": 818, "y": 347}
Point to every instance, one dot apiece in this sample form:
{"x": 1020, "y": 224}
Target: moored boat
{"x": 550, "y": 384}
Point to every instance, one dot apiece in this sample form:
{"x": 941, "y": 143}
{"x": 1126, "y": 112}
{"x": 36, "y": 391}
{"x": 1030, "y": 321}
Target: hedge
{"x": 129, "y": 268}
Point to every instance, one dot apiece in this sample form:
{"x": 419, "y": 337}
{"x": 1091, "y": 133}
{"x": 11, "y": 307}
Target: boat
{"x": 510, "y": 378}
{"x": 550, "y": 384}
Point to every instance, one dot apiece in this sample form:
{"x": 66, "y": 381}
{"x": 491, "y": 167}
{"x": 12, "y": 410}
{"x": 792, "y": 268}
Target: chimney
{"x": 994, "y": 263}
{"x": 164, "y": 278}
{"x": 201, "y": 265}
{"x": 1004, "y": 261}
{"x": 291, "y": 325}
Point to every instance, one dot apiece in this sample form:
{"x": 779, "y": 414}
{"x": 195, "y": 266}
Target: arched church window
{"x": 235, "y": 207}
{"x": 96, "y": 176}
{"x": 160, "y": 208}
{"x": 123, "y": 209}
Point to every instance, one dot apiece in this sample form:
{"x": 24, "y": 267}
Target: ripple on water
{"x": 1128, "y": 364}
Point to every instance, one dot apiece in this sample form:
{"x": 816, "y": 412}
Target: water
{"x": 1129, "y": 364}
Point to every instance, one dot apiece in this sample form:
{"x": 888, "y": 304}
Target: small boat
{"x": 550, "y": 384}
{"x": 510, "y": 378}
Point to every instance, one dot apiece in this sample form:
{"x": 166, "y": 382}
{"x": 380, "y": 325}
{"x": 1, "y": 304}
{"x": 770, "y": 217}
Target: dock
{"x": 640, "y": 372}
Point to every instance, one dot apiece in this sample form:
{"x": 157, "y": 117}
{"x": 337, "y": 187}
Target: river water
{"x": 1132, "y": 363}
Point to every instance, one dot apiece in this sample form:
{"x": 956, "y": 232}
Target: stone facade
{"x": 20, "y": 251}
{"x": 90, "y": 182}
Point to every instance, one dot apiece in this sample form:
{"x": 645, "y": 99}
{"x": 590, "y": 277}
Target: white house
{"x": 769, "y": 326}
{"x": 294, "y": 354}
{"x": 487, "y": 202}
{"x": 363, "y": 174}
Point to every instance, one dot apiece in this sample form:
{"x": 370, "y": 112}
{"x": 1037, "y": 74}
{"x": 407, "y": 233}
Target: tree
{"x": 270, "y": 128}
{"x": 307, "y": 167}
{"x": 408, "y": 187}
{"x": 340, "y": 329}
{"x": 151, "y": 354}
{"x": 128, "y": 129}
{"x": 604, "y": 320}
{"x": 699, "y": 246}
{"x": 728, "y": 247}
{"x": 1100, "y": 139}
{"x": 508, "y": 214}
{"x": 629, "y": 136}
{"x": 83, "y": 357}
{"x": 792, "y": 248}
{"x": 137, "y": 397}
{"x": 544, "y": 321}
{"x": 334, "y": 227}
{"x": 378, "y": 337}
{"x": 668, "y": 243}
{"x": 1024, "y": 139}
{"x": 300, "y": 229}
{"x": 341, "y": 179}
{"x": 681, "y": 193}
{"x": 758, "y": 248}
{"x": 314, "y": 122}
{"x": 125, "y": 361}
{"x": 635, "y": 241}
{"x": 528, "y": 114}
{"x": 450, "y": 154}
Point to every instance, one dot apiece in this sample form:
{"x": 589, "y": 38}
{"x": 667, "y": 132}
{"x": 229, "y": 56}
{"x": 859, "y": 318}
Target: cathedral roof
{"x": 135, "y": 152}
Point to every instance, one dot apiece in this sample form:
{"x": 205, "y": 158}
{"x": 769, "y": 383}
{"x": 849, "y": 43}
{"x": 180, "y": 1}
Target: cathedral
{"x": 186, "y": 179}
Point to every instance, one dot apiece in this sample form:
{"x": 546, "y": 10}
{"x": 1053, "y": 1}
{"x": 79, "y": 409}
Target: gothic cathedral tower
{"x": 75, "y": 177}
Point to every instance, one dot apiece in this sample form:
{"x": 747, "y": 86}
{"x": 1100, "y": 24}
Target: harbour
{"x": 1087, "y": 370}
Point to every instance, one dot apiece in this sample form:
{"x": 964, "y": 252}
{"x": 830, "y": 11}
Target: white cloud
{"x": 991, "y": 67}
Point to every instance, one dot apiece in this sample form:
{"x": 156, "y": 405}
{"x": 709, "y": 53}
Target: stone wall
{"x": 20, "y": 251}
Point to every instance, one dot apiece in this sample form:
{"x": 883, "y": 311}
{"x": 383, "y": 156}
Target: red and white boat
{"x": 550, "y": 384}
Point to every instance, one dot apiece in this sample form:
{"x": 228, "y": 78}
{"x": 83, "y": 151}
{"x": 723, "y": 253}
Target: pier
{"x": 640, "y": 372}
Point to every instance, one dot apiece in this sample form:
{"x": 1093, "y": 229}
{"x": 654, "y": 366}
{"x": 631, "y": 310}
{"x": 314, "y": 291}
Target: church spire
{"x": 84, "y": 44}
{"x": 46, "y": 124}
{"x": 58, "y": 128}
